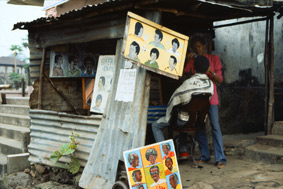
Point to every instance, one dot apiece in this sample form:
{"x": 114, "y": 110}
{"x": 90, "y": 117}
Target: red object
{"x": 215, "y": 65}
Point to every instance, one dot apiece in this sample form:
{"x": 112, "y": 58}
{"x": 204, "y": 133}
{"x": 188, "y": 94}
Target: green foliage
{"x": 16, "y": 48}
{"x": 26, "y": 66}
{"x": 55, "y": 156}
{"x": 74, "y": 166}
{"x": 15, "y": 77}
{"x": 68, "y": 150}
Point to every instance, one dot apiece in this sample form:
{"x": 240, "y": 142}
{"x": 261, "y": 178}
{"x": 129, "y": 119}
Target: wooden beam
{"x": 270, "y": 119}
{"x": 266, "y": 68}
{"x": 39, "y": 105}
{"x": 242, "y": 22}
{"x": 171, "y": 10}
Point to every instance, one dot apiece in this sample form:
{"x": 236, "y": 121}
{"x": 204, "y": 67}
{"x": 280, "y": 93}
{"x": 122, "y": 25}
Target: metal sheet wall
{"x": 122, "y": 128}
{"x": 51, "y": 129}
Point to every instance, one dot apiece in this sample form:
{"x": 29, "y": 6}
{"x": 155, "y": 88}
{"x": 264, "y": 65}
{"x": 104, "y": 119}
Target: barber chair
{"x": 189, "y": 119}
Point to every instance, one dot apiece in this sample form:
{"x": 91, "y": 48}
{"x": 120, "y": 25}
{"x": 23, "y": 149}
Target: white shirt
{"x": 160, "y": 181}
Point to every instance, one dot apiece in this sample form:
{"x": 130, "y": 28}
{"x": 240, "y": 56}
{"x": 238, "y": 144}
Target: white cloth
{"x": 176, "y": 53}
{"x": 197, "y": 84}
{"x": 160, "y": 181}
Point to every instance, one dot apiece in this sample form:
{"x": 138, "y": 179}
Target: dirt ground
{"x": 238, "y": 173}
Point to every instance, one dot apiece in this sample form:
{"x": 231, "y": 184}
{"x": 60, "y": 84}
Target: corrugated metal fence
{"x": 51, "y": 129}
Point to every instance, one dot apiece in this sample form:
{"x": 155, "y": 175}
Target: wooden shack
{"x": 56, "y": 105}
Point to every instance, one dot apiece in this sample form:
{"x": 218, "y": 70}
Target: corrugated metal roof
{"x": 26, "y": 2}
{"x": 212, "y": 7}
{"x": 8, "y": 60}
{"x": 67, "y": 15}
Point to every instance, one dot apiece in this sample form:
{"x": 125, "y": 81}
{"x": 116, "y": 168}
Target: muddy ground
{"x": 238, "y": 173}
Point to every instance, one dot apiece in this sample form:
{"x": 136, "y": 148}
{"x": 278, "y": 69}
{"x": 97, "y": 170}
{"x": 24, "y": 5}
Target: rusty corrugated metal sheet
{"x": 123, "y": 128}
{"x": 71, "y": 14}
{"x": 51, "y": 129}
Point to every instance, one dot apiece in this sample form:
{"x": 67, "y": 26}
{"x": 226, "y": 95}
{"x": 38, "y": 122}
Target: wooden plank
{"x": 39, "y": 106}
{"x": 89, "y": 32}
{"x": 271, "y": 85}
{"x": 266, "y": 74}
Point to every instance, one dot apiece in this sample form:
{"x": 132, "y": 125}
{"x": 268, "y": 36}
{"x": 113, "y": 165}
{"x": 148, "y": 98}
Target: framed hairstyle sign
{"x": 103, "y": 83}
{"x": 154, "y": 47}
{"x": 153, "y": 167}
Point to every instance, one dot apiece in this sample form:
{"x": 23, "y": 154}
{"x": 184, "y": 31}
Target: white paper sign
{"x": 126, "y": 85}
{"x": 103, "y": 83}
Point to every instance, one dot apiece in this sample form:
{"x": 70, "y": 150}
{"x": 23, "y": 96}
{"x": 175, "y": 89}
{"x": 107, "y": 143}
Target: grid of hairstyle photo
{"x": 71, "y": 65}
{"x": 103, "y": 83}
{"x": 153, "y": 166}
{"x": 155, "y": 48}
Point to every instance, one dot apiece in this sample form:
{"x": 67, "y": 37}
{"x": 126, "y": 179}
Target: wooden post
{"x": 23, "y": 87}
{"x": 40, "y": 80}
{"x": 266, "y": 68}
{"x": 15, "y": 64}
{"x": 270, "y": 118}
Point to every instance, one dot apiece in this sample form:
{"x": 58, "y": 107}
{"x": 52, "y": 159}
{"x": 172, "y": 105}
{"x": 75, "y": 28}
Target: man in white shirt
{"x": 154, "y": 172}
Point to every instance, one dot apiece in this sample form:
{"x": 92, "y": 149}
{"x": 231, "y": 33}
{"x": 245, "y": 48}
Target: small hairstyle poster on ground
{"x": 103, "y": 83}
{"x": 153, "y": 167}
{"x": 65, "y": 65}
{"x": 154, "y": 47}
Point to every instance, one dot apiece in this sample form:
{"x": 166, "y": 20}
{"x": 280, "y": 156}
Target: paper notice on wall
{"x": 126, "y": 85}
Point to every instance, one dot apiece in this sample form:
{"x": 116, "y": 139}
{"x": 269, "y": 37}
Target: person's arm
{"x": 214, "y": 77}
{"x": 215, "y": 73}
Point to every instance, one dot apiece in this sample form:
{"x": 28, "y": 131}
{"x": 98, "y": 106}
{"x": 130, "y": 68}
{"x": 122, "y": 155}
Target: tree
{"x": 17, "y": 49}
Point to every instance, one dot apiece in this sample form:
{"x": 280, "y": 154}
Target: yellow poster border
{"x": 132, "y": 15}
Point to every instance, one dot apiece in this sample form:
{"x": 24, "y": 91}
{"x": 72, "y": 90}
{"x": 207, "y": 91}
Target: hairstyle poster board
{"x": 154, "y": 47}
{"x": 88, "y": 84}
{"x": 153, "y": 167}
{"x": 65, "y": 65}
{"x": 103, "y": 83}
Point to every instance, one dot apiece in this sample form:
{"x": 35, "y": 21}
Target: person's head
{"x": 140, "y": 187}
{"x": 154, "y": 54}
{"x": 169, "y": 163}
{"x": 58, "y": 59}
{"x": 172, "y": 62}
{"x": 98, "y": 101}
{"x": 198, "y": 45}
{"x": 158, "y": 36}
{"x": 173, "y": 180}
{"x": 88, "y": 64}
{"x": 137, "y": 175}
{"x": 101, "y": 82}
{"x": 133, "y": 159}
{"x": 138, "y": 29}
{"x": 154, "y": 173}
{"x": 151, "y": 155}
{"x": 201, "y": 64}
{"x": 166, "y": 148}
{"x": 175, "y": 44}
{"x": 134, "y": 49}
{"x": 73, "y": 61}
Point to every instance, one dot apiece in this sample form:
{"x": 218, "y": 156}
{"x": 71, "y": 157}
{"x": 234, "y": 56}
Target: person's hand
{"x": 191, "y": 55}
{"x": 210, "y": 71}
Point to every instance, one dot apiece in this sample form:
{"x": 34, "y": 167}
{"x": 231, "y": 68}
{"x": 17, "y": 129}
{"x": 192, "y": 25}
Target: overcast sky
{"x": 10, "y": 15}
